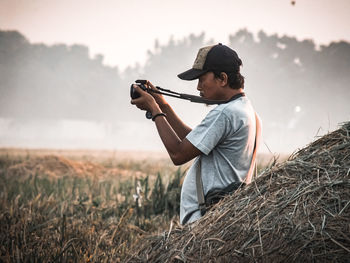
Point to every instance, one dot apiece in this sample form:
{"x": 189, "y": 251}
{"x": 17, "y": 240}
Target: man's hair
{"x": 235, "y": 79}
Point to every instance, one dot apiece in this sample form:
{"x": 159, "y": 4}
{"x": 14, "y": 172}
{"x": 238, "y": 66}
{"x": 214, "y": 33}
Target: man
{"x": 224, "y": 141}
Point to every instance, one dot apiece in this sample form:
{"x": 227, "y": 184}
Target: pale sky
{"x": 123, "y": 30}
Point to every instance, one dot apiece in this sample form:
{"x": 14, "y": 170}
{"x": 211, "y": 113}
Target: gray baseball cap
{"x": 213, "y": 58}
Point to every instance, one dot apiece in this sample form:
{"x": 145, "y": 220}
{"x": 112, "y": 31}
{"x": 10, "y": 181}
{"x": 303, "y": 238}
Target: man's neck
{"x": 232, "y": 92}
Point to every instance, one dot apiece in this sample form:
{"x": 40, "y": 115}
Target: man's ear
{"x": 223, "y": 79}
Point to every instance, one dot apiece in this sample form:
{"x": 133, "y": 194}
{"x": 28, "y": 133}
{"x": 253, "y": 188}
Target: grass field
{"x": 73, "y": 206}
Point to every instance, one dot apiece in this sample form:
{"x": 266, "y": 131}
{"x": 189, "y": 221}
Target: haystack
{"x": 55, "y": 166}
{"x": 297, "y": 211}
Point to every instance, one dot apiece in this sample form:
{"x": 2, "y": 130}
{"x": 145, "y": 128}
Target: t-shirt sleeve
{"x": 209, "y": 132}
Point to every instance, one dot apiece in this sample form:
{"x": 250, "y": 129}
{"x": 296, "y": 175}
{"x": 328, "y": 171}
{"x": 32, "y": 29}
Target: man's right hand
{"x": 158, "y": 97}
{"x": 145, "y": 102}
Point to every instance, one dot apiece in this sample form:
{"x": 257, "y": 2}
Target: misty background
{"x": 59, "y": 96}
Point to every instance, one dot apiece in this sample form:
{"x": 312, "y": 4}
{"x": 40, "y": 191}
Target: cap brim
{"x": 191, "y": 74}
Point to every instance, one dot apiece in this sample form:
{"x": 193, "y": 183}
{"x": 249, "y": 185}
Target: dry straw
{"x": 57, "y": 210}
{"x": 293, "y": 212}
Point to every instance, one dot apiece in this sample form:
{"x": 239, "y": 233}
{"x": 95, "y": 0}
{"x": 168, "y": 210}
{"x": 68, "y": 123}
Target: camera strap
{"x": 184, "y": 96}
{"x": 194, "y": 98}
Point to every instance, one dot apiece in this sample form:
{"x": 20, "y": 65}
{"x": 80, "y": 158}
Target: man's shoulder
{"x": 231, "y": 113}
{"x": 240, "y": 107}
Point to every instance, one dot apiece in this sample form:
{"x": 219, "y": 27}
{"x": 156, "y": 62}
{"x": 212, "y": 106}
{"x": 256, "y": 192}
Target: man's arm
{"x": 175, "y": 122}
{"x": 180, "y": 150}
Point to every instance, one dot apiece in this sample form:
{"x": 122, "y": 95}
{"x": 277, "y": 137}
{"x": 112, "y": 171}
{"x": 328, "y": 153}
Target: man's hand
{"x": 158, "y": 97}
{"x": 179, "y": 148}
{"x": 146, "y": 101}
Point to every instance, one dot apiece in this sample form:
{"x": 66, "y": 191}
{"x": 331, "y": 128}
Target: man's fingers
{"x": 150, "y": 85}
{"x": 135, "y": 101}
{"x": 144, "y": 100}
{"x": 138, "y": 89}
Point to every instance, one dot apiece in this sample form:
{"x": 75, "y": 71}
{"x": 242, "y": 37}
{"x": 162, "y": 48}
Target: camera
{"x": 133, "y": 93}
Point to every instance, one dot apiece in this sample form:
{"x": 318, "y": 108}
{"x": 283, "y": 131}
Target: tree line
{"x": 292, "y": 83}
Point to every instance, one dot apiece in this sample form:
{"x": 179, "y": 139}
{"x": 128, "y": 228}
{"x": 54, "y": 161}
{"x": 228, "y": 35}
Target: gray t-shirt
{"x": 226, "y": 139}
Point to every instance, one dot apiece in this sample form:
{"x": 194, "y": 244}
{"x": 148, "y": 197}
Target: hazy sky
{"x": 123, "y": 30}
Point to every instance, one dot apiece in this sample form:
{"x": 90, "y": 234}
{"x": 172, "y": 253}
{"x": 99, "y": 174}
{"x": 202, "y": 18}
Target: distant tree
{"x": 59, "y": 81}
{"x": 289, "y": 81}
{"x": 293, "y": 82}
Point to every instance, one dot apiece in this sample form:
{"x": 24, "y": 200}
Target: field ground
{"x": 119, "y": 158}
{"x": 78, "y": 205}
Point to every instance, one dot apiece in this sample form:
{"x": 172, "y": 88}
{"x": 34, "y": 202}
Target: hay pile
{"x": 296, "y": 211}
{"x": 54, "y": 166}
{"x": 57, "y": 166}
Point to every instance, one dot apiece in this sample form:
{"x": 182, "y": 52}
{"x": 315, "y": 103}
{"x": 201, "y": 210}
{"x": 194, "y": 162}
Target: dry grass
{"x": 78, "y": 206}
{"x": 125, "y": 162}
{"x": 62, "y": 209}
{"x": 296, "y": 211}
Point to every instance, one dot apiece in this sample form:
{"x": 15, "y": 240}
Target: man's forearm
{"x": 169, "y": 138}
{"x": 175, "y": 122}
{"x": 180, "y": 151}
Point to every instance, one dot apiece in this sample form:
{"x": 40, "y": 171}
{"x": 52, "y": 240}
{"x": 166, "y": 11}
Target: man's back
{"x": 226, "y": 138}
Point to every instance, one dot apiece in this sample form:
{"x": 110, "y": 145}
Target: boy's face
{"x": 209, "y": 87}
